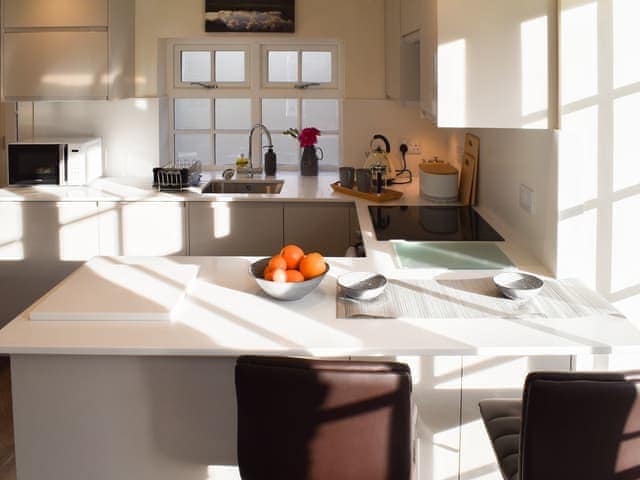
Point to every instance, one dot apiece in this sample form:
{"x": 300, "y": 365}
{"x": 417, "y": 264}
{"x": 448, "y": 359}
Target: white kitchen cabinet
{"x": 429, "y": 59}
{"x": 51, "y": 13}
{"x": 492, "y": 377}
{"x": 318, "y": 228}
{"x": 82, "y": 51}
{"x": 410, "y": 18}
{"x": 495, "y": 63}
{"x": 402, "y": 54}
{"x": 227, "y": 229}
{"x": 56, "y": 64}
{"x": 142, "y": 228}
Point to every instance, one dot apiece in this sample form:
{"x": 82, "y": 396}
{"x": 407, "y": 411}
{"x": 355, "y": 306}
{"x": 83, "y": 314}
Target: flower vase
{"x": 309, "y": 161}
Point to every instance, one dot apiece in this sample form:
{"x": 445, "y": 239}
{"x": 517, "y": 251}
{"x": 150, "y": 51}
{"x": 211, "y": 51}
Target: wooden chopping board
{"x": 467, "y": 179}
{"x": 472, "y": 148}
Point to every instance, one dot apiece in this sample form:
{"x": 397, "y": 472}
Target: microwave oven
{"x": 50, "y": 161}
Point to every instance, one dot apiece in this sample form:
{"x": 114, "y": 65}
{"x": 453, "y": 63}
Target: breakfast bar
{"x": 155, "y": 399}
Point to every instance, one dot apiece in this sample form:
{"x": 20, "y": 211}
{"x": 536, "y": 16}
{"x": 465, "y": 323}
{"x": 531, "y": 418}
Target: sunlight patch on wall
{"x": 535, "y": 65}
{"x": 626, "y": 254}
{"x": 78, "y": 231}
{"x": 626, "y": 142}
{"x": 626, "y": 38}
{"x": 222, "y": 472}
{"x": 577, "y": 247}
{"x": 579, "y": 53}
{"x": 11, "y": 246}
{"x": 68, "y": 79}
{"x": 452, "y": 83}
{"x": 578, "y": 154}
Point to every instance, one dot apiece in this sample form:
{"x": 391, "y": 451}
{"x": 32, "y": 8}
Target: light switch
{"x": 527, "y": 199}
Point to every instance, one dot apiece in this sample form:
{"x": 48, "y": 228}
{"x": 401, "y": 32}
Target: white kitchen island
{"x": 156, "y": 400}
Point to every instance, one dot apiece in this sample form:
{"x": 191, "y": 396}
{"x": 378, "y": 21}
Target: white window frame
{"x": 254, "y": 87}
{"x": 212, "y": 49}
{"x": 299, "y": 48}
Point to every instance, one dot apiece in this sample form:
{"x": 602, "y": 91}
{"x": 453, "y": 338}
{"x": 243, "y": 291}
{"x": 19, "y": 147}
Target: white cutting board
{"x": 107, "y": 290}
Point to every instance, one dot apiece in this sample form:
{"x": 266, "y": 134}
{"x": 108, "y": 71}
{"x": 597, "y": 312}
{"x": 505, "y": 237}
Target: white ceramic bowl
{"x": 518, "y": 286}
{"x": 362, "y": 285}
{"x": 284, "y": 291}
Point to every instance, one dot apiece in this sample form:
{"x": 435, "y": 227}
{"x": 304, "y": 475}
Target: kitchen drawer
{"x": 50, "y": 13}
{"x": 56, "y": 65}
{"x": 323, "y": 228}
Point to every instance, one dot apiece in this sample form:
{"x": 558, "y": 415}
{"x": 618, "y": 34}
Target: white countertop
{"x": 225, "y": 314}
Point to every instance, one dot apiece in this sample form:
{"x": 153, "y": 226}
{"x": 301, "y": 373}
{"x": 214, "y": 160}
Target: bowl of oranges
{"x": 291, "y": 274}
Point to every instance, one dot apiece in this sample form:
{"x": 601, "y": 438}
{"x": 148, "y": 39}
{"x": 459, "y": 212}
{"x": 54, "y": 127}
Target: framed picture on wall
{"x": 250, "y": 16}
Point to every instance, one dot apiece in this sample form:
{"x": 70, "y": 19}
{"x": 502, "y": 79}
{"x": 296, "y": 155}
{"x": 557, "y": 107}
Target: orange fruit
{"x": 312, "y": 265}
{"x": 279, "y": 276}
{"x": 277, "y": 261}
{"x": 294, "y": 276}
{"x": 292, "y": 254}
{"x": 268, "y": 273}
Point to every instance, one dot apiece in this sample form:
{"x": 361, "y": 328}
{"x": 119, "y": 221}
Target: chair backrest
{"x": 323, "y": 420}
{"x": 580, "y": 426}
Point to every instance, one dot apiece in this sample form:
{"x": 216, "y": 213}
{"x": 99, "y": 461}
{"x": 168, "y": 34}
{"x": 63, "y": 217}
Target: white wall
{"x": 130, "y": 130}
{"x": 508, "y": 159}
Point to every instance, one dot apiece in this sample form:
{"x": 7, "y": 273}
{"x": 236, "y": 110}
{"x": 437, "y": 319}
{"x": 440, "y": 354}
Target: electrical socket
{"x": 527, "y": 199}
{"x": 414, "y": 148}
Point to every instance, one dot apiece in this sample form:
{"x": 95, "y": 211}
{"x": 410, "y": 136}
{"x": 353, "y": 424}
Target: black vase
{"x": 309, "y": 162}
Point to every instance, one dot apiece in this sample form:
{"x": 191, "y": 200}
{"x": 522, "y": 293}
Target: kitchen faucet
{"x": 269, "y": 139}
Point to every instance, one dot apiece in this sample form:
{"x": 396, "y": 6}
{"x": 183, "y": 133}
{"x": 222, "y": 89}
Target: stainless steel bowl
{"x": 518, "y": 286}
{"x": 362, "y": 285}
{"x": 284, "y": 291}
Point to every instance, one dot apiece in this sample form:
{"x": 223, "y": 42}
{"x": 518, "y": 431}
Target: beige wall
{"x": 358, "y": 23}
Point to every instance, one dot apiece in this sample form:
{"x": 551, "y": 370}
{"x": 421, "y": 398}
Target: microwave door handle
{"x": 65, "y": 156}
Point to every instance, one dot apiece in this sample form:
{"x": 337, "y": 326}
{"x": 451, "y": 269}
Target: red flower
{"x": 308, "y": 137}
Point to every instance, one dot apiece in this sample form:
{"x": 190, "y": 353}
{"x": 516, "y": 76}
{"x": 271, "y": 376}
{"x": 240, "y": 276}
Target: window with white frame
{"x": 218, "y": 91}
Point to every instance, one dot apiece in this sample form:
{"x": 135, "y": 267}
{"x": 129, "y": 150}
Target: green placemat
{"x": 451, "y": 255}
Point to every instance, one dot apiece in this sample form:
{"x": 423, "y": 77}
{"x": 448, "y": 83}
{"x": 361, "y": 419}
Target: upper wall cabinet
{"x": 402, "y": 52}
{"x": 410, "y": 18}
{"x": 51, "y": 13}
{"x": 496, "y": 63}
{"x": 68, "y": 49}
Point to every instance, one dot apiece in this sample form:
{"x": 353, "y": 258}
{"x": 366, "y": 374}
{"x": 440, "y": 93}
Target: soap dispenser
{"x": 270, "y": 162}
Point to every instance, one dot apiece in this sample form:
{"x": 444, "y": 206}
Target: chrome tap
{"x": 269, "y": 139}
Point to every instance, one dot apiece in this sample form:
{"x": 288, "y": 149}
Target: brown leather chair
{"x": 582, "y": 426}
{"x": 304, "y": 419}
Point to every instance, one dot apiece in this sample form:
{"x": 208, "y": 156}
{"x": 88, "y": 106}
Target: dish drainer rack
{"x": 177, "y": 178}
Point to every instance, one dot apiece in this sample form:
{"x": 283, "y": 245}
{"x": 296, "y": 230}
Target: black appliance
{"x": 431, "y": 224}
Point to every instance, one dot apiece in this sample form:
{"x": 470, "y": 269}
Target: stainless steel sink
{"x": 244, "y": 186}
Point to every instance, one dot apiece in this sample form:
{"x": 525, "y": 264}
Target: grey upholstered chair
{"x": 323, "y": 420}
{"x": 582, "y": 426}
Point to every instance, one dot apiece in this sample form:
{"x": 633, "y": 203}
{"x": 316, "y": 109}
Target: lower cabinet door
{"x": 318, "y": 227}
{"x": 224, "y": 229}
{"x": 492, "y": 377}
{"x": 145, "y": 229}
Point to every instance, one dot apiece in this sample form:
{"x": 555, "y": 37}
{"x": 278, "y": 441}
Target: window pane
{"x": 196, "y": 67}
{"x": 330, "y": 145}
{"x": 287, "y": 149}
{"x": 230, "y": 67}
{"x": 321, "y": 114}
{"x": 233, "y": 114}
{"x": 193, "y": 114}
{"x": 280, "y": 114}
{"x": 283, "y": 66}
{"x": 190, "y": 147}
{"x": 316, "y": 67}
{"x": 229, "y": 146}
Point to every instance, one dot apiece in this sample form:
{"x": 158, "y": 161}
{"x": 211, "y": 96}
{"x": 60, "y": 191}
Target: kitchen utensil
{"x": 379, "y": 156}
{"x": 439, "y": 181}
{"x": 363, "y": 180}
{"x": 283, "y": 291}
{"x": 347, "y": 176}
{"x": 362, "y": 285}
{"x": 387, "y": 194}
{"x": 472, "y": 148}
{"x": 467, "y": 175}
{"x": 518, "y": 286}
